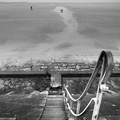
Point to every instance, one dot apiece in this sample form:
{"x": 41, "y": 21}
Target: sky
{"x": 60, "y": 1}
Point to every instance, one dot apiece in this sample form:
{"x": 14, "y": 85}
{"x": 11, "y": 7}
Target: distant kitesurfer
{"x": 31, "y": 8}
{"x": 61, "y": 10}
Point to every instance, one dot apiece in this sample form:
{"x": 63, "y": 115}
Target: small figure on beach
{"x": 31, "y": 8}
{"x": 61, "y": 10}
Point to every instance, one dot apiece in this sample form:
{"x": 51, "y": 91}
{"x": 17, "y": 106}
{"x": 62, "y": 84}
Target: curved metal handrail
{"x": 76, "y": 115}
{"x": 106, "y": 61}
{"x": 107, "y": 70}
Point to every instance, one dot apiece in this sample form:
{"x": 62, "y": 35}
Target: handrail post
{"x": 71, "y": 104}
{"x": 78, "y": 107}
{"x": 67, "y": 98}
{"x": 98, "y": 95}
{"x": 97, "y": 104}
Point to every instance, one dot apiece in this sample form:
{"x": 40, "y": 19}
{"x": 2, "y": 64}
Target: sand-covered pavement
{"x": 24, "y": 107}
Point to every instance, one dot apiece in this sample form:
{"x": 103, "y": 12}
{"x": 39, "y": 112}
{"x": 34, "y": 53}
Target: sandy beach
{"x": 45, "y": 32}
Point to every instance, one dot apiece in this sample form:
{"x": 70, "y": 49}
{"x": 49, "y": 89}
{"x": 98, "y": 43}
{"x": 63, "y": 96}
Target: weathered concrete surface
{"x": 55, "y": 79}
{"x": 25, "y": 107}
{"x": 54, "y": 109}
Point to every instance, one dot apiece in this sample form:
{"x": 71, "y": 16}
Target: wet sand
{"x": 45, "y": 32}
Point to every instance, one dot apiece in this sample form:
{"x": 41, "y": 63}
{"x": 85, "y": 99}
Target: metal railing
{"x": 105, "y": 67}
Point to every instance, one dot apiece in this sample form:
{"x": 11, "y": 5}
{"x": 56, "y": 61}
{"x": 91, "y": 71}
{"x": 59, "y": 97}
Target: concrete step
{"x": 55, "y": 109}
{"x": 54, "y": 118}
{"x": 8, "y": 119}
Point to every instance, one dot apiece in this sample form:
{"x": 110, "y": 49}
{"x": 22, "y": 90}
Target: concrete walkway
{"x": 54, "y": 109}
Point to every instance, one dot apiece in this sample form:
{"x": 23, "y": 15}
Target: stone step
{"x": 8, "y": 119}
{"x": 55, "y": 109}
{"x": 53, "y": 118}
